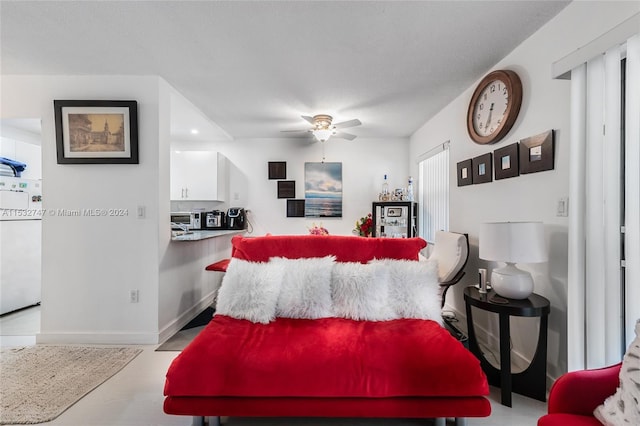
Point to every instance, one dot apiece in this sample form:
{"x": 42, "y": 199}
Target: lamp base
{"x": 511, "y": 282}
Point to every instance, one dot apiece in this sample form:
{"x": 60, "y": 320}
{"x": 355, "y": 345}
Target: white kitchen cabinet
{"x": 198, "y": 176}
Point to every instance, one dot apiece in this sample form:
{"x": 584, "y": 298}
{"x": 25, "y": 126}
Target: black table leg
{"x": 505, "y": 360}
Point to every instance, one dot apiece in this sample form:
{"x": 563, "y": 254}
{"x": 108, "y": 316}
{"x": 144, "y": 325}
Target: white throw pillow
{"x": 413, "y": 288}
{"x": 360, "y": 291}
{"x": 622, "y": 408}
{"x": 306, "y": 287}
{"x": 250, "y": 290}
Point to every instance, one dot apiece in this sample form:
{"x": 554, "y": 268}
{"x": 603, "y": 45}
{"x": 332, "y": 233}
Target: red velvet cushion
{"x": 345, "y": 248}
{"x": 328, "y": 357}
{"x": 562, "y": 419}
{"x": 219, "y": 266}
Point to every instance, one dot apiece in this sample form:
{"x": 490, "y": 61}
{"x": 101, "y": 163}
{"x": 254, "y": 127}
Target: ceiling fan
{"x": 323, "y": 129}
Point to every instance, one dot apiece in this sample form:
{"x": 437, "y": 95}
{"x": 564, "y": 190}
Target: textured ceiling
{"x": 253, "y": 67}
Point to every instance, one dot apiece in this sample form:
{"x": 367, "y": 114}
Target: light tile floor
{"x": 133, "y": 397}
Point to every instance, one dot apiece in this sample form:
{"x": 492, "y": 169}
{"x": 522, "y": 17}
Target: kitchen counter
{"x": 203, "y": 235}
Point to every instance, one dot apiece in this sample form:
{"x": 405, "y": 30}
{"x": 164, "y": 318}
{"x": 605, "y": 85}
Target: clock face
{"x": 494, "y": 106}
{"x": 491, "y": 107}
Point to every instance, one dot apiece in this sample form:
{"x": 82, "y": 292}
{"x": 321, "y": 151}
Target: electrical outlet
{"x": 134, "y": 296}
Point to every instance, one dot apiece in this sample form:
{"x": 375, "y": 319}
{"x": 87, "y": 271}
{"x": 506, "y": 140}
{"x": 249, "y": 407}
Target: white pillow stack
{"x": 413, "y": 289}
{"x": 250, "y": 290}
{"x": 305, "y": 291}
{"x": 361, "y": 292}
{"x": 314, "y": 288}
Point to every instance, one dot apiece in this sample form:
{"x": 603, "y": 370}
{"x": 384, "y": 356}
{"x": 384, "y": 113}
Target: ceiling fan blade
{"x": 350, "y": 123}
{"x": 295, "y": 131}
{"x": 308, "y": 119}
{"x": 343, "y": 135}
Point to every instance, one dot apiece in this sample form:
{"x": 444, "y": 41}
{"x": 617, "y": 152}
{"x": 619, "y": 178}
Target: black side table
{"x": 530, "y": 382}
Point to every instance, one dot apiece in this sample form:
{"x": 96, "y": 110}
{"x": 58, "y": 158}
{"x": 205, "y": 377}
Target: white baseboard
{"x": 174, "y": 326}
{"x": 127, "y": 338}
{"x": 98, "y": 338}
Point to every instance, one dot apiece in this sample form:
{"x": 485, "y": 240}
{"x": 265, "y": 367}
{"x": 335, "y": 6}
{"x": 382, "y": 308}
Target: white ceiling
{"x": 253, "y": 67}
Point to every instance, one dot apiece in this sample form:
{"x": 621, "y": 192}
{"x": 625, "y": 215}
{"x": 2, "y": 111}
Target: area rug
{"x": 40, "y": 382}
{"x": 182, "y": 338}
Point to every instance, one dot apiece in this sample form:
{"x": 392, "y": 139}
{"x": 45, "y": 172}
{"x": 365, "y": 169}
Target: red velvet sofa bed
{"x": 328, "y": 366}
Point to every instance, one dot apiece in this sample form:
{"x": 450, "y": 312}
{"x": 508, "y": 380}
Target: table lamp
{"x": 512, "y": 242}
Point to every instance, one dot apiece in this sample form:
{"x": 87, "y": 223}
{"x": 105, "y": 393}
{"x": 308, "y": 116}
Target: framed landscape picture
{"x": 96, "y": 132}
{"x": 505, "y": 161}
{"x": 537, "y": 153}
{"x": 323, "y": 189}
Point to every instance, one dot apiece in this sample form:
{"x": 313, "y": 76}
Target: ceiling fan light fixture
{"x": 323, "y": 134}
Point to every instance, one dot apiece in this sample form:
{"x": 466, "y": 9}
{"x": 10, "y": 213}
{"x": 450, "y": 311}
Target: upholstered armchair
{"x": 575, "y": 395}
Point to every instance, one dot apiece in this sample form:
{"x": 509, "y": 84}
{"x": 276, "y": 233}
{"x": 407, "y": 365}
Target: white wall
{"x": 364, "y": 163}
{"x": 527, "y": 197}
{"x": 90, "y": 263}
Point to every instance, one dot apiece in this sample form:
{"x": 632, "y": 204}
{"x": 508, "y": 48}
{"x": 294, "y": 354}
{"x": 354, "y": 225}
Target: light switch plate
{"x": 562, "y": 208}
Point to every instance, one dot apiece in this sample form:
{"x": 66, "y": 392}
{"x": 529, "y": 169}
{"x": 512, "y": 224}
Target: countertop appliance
{"x": 215, "y": 219}
{"x": 186, "y": 221}
{"x": 21, "y": 230}
{"x": 236, "y": 218}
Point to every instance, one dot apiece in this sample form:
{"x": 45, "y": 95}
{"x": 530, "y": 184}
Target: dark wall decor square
{"x": 286, "y": 189}
{"x": 482, "y": 169}
{"x": 277, "y": 169}
{"x": 295, "y": 208}
{"x": 96, "y": 132}
{"x": 465, "y": 175}
{"x": 505, "y": 161}
{"x": 537, "y": 153}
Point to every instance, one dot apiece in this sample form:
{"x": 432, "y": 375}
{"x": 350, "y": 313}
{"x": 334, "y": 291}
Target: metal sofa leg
{"x": 197, "y": 421}
{"x": 215, "y": 421}
{"x": 461, "y": 421}
{"x": 440, "y": 421}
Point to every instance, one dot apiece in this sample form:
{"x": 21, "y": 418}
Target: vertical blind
{"x": 600, "y": 312}
{"x": 434, "y": 191}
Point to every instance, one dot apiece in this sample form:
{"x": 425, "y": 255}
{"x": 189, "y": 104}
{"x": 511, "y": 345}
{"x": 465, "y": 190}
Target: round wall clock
{"x": 494, "y": 106}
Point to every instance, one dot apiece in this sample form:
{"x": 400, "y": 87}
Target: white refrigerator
{"x": 20, "y": 243}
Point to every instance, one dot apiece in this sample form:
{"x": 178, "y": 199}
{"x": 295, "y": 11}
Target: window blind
{"x": 434, "y": 191}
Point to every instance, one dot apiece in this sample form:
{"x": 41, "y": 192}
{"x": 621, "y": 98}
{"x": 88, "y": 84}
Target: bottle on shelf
{"x": 384, "y": 195}
{"x": 410, "y": 189}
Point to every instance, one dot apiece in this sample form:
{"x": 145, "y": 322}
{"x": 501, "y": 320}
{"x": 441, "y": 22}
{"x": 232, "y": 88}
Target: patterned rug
{"x": 40, "y": 382}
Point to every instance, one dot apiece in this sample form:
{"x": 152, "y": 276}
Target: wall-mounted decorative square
{"x": 505, "y": 161}
{"x": 482, "y": 169}
{"x": 295, "y": 208}
{"x": 286, "y": 189}
{"x": 277, "y": 169}
{"x": 537, "y": 153}
{"x": 465, "y": 176}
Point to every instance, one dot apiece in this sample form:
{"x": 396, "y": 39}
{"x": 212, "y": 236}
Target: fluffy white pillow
{"x": 413, "y": 288}
{"x": 250, "y": 290}
{"x": 306, "y": 287}
{"x": 622, "y": 407}
{"x": 360, "y": 291}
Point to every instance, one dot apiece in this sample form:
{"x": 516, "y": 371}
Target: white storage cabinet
{"x": 198, "y": 176}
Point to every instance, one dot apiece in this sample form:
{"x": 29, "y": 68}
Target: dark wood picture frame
{"x": 96, "y": 132}
{"x": 286, "y": 189}
{"x": 277, "y": 170}
{"x": 537, "y": 153}
{"x": 465, "y": 174}
{"x": 295, "y": 208}
{"x": 506, "y": 161}
{"x": 482, "y": 168}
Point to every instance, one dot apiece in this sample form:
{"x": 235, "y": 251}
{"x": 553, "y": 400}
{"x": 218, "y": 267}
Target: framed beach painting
{"x": 323, "y": 189}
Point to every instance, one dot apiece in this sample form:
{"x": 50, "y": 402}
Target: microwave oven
{"x": 186, "y": 221}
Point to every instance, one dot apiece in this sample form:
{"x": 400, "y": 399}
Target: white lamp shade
{"x": 514, "y": 242}
{"x": 322, "y": 134}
